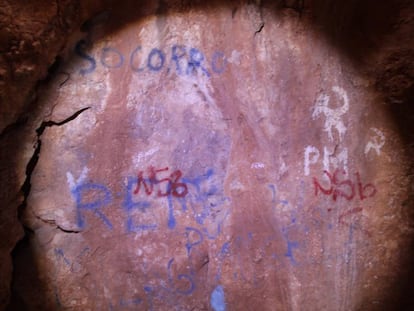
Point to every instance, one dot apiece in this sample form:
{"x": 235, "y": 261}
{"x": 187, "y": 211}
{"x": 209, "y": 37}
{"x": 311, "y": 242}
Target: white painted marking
{"x": 143, "y": 156}
{"x": 257, "y": 165}
{"x": 376, "y": 143}
{"x": 71, "y": 180}
{"x": 332, "y": 116}
{"x": 311, "y": 157}
{"x": 283, "y": 167}
{"x": 335, "y": 158}
{"x": 234, "y": 58}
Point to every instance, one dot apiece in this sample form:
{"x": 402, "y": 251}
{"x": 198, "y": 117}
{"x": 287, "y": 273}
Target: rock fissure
{"x": 35, "y": 157}
{"x": 53, "y": 223}
{"x": 9, "y": 128}
{"x": 26, "y": 187}
{"x": 260, "y": 28}
{"x": 32, "y": 165}
{"x": 296, "y": 5}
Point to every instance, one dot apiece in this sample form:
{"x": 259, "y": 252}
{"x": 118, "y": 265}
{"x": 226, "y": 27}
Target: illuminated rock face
{"x": 217, "y": 159}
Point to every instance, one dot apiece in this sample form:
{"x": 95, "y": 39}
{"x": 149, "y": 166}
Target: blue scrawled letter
{"x": 79, "y": 51}
{"x": 102, "y": 196}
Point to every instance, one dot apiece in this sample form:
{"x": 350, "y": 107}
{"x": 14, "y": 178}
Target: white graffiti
{"x": 333, "y": 116}
{"x": 376, "y": 143}
{"x": 331, "y": 158}
{"x": 71, "y": 180}
{"x": 144, "y": 156}
{"x": 311, "y": 157}
{"x": 336, "y": 158}
{"x": 257, "y": 165}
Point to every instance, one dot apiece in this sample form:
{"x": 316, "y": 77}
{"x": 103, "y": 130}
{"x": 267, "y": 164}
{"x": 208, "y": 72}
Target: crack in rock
{"x": 25, "y": 189}
{"x": 53, "y": 223}
{"x": 15, "y": 125}
{"x": 35, "y": 158}
{"x": 260, "y": 28}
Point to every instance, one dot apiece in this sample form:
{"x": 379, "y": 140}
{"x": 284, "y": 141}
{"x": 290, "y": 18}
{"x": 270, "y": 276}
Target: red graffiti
{"x": 349, "y": 214}
{"x": 345, "y": 188}
{"x": 172, "y": 186}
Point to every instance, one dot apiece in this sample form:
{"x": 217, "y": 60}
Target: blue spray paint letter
{"x": 130, "y": 205}
{"x": 59, "y": 253}
{"x": 215, "y": 60}
{"x": 190, "y": 244}
{"x": 79, "y": 51}
{"x": 290, "y": 246}
{"x": 154, "y": 54}
{"x": 180, "y": 277}
{"x": 196, "y": 58}
{"x": 103, "y": 198}
{"x": 177, "y": 56}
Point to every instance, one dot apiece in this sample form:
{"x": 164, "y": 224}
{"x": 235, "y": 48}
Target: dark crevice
{"x": 46, "y": 124}
{"x": 260, "y": 28}
{"x": 233, "y": 12}
{"x": 35, "y": 157}
{"x": 15, "y": 125}
{"x": 98, "y": 19}
{"x": 67, "y": 231}
{"x": 23, "y": 247}
{"x": 205, "y": 262}
{"x": 262, "y": 23}
{"x": 23, "y": 119}
{"x": 53, "y": 223}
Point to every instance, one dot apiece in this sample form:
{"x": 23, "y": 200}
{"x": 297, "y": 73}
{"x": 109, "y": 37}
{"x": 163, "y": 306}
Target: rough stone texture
{"x": 270, "y": 142}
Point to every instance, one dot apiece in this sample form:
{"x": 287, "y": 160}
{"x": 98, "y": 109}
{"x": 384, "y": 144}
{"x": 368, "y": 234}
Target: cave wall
{"x": 192, "y": 156}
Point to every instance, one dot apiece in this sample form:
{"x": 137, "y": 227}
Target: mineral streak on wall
{"x": 215, "y": 158}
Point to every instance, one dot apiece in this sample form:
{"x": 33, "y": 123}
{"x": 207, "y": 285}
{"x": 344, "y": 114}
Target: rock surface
{"x": 210, "y": 157}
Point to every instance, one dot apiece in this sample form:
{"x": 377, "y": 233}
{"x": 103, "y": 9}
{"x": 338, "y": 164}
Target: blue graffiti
{"x": 130, "y": 206}
{"x": 196, "y": 58}
{"x": 217, "y": 299}
{"x": 79, "y": 50}
{"x": 161, "y": 59}
{"x": 298, "y": 223}
{"x": 204, "y": 202}
{"x": 224, "y": 252}
{"x": 290, "y": 246}
{"x": 176, "y": 57}
{"x": 225, "y": 249}
{"x": 59, "y": 253}
{"x": 104, "y": 198}
{"x": 273, "y": 188}
{"x": 149, "y": 293}
{"x": 130, "y": 302}
{"x": 180, "y": 277}
{"x": 202, "y": 196}
{"x": 218, "y": 228}
{"x": 188, "y": 60}
{"x": 171, "y": 218}
{"x": 217, "y": 56}
{"x": 189, "y": 245}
